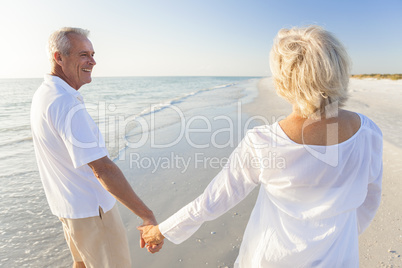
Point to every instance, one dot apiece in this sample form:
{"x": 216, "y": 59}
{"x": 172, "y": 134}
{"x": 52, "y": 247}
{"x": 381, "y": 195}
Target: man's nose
{"x": 92, "y": 61}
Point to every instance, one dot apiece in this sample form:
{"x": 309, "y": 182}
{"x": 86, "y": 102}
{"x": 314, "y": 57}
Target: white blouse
{"x": 313, "y": 203}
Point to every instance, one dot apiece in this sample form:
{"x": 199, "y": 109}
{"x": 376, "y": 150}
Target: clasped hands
{"x": 151, "y": 237}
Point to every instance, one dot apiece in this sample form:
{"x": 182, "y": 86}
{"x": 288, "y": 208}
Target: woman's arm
{"x": 234, "y": 182}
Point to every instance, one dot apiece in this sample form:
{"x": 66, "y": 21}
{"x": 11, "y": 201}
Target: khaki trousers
{"x": 99, "y": 241}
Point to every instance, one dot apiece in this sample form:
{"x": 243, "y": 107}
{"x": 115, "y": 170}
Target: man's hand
{"x": 151, "y": 236}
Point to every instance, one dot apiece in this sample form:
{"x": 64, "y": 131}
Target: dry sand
{"x": 381, "y": 243}
{"x": 216, "y": 243}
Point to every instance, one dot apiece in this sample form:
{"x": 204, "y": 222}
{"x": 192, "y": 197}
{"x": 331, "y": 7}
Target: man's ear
{"x": 58, "y": 58}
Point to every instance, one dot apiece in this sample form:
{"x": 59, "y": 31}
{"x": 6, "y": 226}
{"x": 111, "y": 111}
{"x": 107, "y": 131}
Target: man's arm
{"x": 113, "y": 180}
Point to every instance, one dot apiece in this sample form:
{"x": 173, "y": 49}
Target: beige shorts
{"x": 99, "y": 241}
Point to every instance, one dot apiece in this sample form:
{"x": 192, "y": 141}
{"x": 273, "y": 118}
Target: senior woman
{"x": 311, "y": 209}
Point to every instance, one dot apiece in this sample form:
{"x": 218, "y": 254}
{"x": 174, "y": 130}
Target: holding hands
{"x": 151, "y": 237}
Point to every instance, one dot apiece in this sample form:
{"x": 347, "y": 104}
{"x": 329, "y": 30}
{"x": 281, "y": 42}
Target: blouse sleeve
{"x": 233, "y": 183}
{"x": 367, "y": 211}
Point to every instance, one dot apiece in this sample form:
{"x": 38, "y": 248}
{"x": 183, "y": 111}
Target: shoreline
{"x": 166, "y": 190}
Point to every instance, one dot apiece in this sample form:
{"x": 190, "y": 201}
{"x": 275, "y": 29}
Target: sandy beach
{"x": 168, "y": 178}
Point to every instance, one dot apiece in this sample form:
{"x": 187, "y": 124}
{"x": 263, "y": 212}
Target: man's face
{"x": 77, "y": 66}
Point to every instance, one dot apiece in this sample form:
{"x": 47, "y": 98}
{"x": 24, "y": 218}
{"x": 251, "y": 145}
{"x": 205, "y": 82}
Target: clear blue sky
{"x": 195, "y": 37}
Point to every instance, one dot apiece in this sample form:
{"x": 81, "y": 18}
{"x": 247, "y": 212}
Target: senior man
{"x": 80, "y": 181}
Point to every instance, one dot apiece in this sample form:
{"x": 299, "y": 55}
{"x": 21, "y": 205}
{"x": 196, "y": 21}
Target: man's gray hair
{"x": 59, "y": 41}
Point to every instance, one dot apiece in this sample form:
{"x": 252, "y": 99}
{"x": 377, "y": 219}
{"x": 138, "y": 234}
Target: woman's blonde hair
{"x": 311, "y": 69}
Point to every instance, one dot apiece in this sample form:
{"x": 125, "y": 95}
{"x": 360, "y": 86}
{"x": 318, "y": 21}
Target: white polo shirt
{"x": 66, "y": 139}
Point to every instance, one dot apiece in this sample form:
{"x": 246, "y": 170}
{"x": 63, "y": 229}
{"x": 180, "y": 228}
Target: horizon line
{"x": 128, "y": 76}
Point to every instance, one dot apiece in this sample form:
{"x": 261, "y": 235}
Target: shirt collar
{"x": 58, "y": 81}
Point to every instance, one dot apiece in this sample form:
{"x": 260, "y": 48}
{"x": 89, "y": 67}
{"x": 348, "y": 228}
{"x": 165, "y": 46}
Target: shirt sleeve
{"x": 367, "y": 211}
{"x": 80, "y": 134}
{"x": 234, "y": 182}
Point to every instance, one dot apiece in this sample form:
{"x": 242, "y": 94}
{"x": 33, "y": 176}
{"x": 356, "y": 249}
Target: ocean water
{"x": 124, "y": 108}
